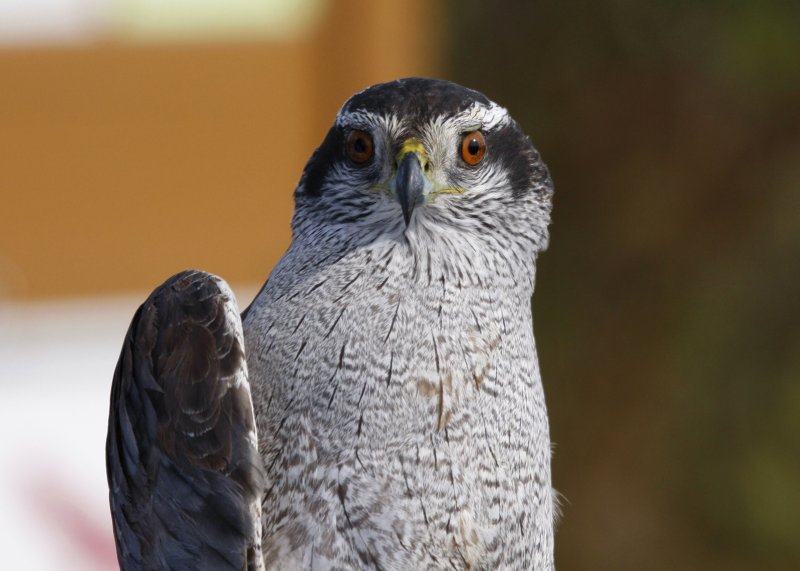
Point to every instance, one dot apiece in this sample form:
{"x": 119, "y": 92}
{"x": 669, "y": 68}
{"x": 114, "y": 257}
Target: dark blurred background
{"x": 135, "y": 143}
{"x": 667, "y": 308}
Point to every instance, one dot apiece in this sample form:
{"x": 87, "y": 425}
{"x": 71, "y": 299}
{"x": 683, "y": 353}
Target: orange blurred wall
{"x": 121, "y": 164}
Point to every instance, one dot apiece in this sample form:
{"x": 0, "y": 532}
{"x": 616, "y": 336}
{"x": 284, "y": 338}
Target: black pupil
{"x": 473, "y": 147}
{"x": 360, "y": 145}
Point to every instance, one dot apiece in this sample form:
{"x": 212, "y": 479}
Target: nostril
{"x": 427, "y": 167}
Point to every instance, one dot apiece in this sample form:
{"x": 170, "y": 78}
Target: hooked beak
{"x": 409, "y": 184}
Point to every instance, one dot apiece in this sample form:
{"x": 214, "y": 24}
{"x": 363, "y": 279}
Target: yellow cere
{"x": 413, "y": 146}
{"x": 416, "y": 146}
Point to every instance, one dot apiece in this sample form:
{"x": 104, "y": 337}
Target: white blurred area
{"x": 57, "y": 359}
{"x": 31, "y": 22}
{"x": 50, "y": 21}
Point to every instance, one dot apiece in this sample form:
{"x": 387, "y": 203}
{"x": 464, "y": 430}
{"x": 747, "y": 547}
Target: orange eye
{"x": 359, "y": 147}
{"x": 473, "y": 147}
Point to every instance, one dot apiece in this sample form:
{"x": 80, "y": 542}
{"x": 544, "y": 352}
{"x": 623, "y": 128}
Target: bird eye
{"x": 473, "y": 147}
{"x": 359, "y": 147}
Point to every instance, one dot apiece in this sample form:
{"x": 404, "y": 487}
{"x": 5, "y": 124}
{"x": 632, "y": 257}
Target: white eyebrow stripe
{"x": 361, "y": 119}
{"x": 478, "y": 114}
{"x": 494, "y": 115}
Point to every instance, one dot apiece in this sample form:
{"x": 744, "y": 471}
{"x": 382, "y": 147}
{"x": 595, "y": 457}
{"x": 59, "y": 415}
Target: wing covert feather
{"x": 185, "y": 477}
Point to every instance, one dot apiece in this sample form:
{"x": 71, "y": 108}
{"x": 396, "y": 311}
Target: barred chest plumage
{"x": 401, "y": 416}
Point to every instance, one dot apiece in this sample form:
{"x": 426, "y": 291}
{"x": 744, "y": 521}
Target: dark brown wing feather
{"x": 185, "y": 478}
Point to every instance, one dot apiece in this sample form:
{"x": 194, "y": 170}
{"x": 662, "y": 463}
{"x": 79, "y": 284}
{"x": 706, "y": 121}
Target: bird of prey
{"x": 379, "y": 405}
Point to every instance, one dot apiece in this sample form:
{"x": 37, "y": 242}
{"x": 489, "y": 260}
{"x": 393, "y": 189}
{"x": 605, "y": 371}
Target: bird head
{"x": 428, "y": 163}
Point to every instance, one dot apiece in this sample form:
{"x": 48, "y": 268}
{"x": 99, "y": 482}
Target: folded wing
{"x": 185, "y": 477}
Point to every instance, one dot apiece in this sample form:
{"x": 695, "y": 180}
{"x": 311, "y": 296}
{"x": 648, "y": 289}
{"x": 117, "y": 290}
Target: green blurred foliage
{"x": 667, "y": 308}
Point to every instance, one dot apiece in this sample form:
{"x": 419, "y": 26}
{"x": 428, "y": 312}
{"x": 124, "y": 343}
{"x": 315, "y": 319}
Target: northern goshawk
{"x": 397, "y": 418}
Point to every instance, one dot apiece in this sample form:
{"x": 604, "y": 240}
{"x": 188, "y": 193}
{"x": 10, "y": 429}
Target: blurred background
{"x": 138, "y": 138}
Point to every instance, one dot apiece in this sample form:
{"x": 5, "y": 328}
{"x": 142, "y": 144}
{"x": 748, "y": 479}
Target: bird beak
{"x": 410, "y": 182}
